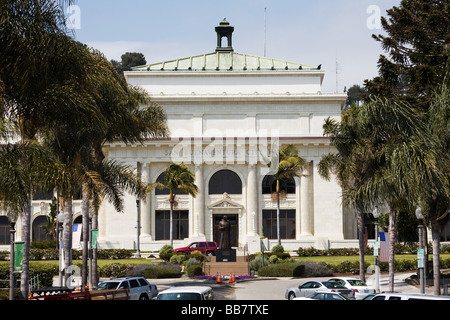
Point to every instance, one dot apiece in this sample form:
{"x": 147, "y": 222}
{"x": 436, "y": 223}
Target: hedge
{"x": 282, "y": 270}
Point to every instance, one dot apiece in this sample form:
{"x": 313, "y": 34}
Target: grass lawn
{"x": 332, "y": 260}
{"x": 335, "y": 260}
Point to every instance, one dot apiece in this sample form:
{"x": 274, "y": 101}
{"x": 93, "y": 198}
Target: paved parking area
{"x": 271, "y": 288}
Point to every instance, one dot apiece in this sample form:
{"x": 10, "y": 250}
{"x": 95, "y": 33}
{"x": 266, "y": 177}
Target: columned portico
{"x": 199, "y": 204}
{"x": 306, "y": 203}
{"x": 228, "y": 114}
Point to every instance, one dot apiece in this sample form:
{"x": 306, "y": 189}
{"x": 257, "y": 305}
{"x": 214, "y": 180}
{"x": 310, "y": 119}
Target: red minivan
{"x": 206, "y": 247}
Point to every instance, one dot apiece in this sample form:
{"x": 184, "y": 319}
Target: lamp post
{"x": 60, "y": 220}
{"x": 376, "y": 215}
{"x": 420, "y": 251}
{"x": 12, "y": 276}
{"x": 138, "y": 244}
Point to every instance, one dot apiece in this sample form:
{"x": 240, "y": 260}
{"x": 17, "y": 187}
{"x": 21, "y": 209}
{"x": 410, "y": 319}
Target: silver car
{"x": 358, "y": 286}
{"x": 311, "y": 287}
{"x": 138, "y": 287}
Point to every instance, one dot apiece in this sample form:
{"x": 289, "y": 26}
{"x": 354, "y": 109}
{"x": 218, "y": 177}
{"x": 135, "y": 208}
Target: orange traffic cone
{"x": 230, "y": 279}
{"x": 218, "y": 278}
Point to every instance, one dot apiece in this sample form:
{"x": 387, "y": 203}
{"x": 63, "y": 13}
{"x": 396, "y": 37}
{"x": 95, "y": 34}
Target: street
{"x": 270, "y": 288}
{"x": 274, "y": 288}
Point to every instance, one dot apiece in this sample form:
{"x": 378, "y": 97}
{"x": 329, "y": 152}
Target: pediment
{"x": 225, "y": 203}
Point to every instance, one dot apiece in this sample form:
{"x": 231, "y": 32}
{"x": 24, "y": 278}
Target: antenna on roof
{"x": 265, "y": 31}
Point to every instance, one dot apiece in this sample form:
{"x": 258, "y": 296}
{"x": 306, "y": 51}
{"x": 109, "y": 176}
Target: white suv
{"x": 138, "y": 287}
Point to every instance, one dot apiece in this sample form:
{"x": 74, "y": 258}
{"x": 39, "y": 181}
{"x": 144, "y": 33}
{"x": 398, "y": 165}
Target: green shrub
{"x": 314, "y": 269}
{"x": 192, "y": 262}
{"x": 4, "y": 255}
{"x": 282, "y": 270}
{"x": 257, "y": 262}
{"x": 114, "y": 254}
{"x": 278, "y": 248}
{"x": 162, "y": 271}
{"x": 273, "y": 259}
{"x": 197, "y": 255}
{"x": 194, "y": 270}
{"x": 178, "y": 258}
{"x": 115, "y": 270}
{"x": 43, "y": 244}
{"x": 166, "y": 252}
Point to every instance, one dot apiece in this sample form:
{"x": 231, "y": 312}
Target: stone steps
{"x": 240, "y": 267}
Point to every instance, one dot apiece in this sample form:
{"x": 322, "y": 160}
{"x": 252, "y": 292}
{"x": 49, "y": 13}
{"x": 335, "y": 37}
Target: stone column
{"x": 199, "y": 203}
{"x": 146, "y": 203}
{"x": 252, "y": 200}
{"x": 307, "y": 205}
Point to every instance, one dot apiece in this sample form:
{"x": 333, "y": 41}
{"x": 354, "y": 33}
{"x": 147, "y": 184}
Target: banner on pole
{"x": 94, "y": 238}
{"x": 18, "y": 256}
{"x": 384, "y": 246}
{"x": 76, "y": 236}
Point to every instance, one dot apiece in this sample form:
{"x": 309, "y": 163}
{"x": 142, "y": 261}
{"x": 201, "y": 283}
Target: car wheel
{"x": 291, "y": 295}
{"x": 210, "y": 253}
{"x": 143, "y": 297}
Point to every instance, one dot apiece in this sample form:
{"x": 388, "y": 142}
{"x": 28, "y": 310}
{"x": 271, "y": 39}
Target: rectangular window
{"x": 287, "y": 224}
{"x": 180, "y": 224}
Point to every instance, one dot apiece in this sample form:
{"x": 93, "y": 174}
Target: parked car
{"x": 324, "y": 295}
{"x": 408, "y": 296}
{"x": 206, "y": 247}
{"x": 138, "y": 287}
{"x": 187, "y": 293}
{"x": 312, "y": 286}
{"x": 358, "y": 286}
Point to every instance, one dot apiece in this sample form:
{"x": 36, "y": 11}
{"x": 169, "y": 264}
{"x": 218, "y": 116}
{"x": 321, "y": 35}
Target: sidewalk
{"x": 399, "y": 283}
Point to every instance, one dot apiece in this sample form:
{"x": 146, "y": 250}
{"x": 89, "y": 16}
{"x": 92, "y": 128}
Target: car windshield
{"x": 331, "y": 285}
{"x": 108, "y": 285}
{"x": 357, "y": 283}
{"x": 179, "y": 296}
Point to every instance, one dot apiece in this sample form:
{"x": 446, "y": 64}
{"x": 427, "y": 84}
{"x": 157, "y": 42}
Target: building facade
{"x": 228, "y": 114}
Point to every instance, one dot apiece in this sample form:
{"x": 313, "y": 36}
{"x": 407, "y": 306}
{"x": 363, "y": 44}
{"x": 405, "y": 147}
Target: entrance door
{"x": 234, "y": 231}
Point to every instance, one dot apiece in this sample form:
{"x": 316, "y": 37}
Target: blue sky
{"x": 309, "y": 32}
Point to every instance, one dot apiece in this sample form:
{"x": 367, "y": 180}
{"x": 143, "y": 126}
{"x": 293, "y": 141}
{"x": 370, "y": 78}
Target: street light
{"x": 420, "y": 251}
{"x": 138, "y": 227}
{"x": 60, "y": 219}
{"x": 12, "y": 276}
{"x": 376, "y": 215}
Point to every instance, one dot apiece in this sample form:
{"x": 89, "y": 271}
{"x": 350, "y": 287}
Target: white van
{"x": 186, "y": 293}
{"x": 408, "y": 296}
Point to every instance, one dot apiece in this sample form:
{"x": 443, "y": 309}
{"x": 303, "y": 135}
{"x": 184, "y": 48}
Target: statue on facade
{"x": 224, "y": 227}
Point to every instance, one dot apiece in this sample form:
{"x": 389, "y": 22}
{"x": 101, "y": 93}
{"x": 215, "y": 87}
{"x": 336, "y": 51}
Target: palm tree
{"x": 288, "y": 165}
{"x": 177, "y": 178}
{"x": 394, "y": 131}
{"x": 435, "y": 201}
{"x": 352, "y": 164}
{"x": 22, "y": 166}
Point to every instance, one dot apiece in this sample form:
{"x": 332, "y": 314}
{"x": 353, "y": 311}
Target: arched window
{"x": 39, "y": 232}
{"x": 165, "y": 191}
{"x": 225, "y": 181}
{"x": 269, "y": 185}
{"x": 5, "y": 227}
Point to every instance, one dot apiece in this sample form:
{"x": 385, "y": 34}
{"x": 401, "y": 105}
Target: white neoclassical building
{"x": 228, "y": 114}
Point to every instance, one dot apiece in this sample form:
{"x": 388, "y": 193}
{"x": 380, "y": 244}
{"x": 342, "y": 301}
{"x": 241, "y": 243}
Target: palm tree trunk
{"x": 392, "y": 219}
{"x": 278, "y": 212}
{"x": 26, "y": 235}
{"x": 362, "y": 274}
{"x": 171, "y": 200}
{"x": 67, "y": 235}
{"x": 436, "y": 234}
{"x": 85, "y": 223}
{"x": 171, "y": 224}
{"x": 94, "y": 272}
